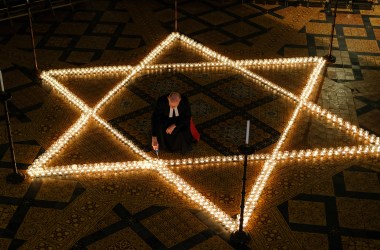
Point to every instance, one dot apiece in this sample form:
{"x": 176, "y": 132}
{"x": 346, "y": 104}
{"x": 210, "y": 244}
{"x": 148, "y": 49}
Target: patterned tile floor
{"x": 305, "y": 205}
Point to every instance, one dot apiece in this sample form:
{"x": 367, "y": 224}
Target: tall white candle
{"x": 1, "y": 82}
{"x": 247, "y": 132}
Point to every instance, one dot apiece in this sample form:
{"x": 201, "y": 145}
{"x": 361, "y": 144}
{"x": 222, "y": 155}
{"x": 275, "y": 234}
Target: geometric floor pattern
{"x": 329, "y": 223}
{"x": 145, "y": 225}
{"x": 96, "y": 211}
{"x": 39, "y": 166}
{"x": 16, "y": 211}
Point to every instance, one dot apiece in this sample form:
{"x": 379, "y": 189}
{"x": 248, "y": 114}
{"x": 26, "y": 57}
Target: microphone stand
{"x": 15, "y": 177}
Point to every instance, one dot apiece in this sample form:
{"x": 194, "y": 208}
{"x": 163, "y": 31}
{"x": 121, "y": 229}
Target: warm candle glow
{"x": 40, "y": 167}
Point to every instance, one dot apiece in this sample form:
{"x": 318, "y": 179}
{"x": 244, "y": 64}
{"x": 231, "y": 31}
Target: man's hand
{"x": 170, "y": 129}
{"x": 155, "y": 143}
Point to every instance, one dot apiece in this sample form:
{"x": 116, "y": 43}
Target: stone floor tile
{"x": 357, "y": 45}
{"x": 190, "y": 26}
{"x": 375, "y": 21}
{"x": 359, "y": 243}
{"x": 307, "y": 213}
{"x": 71, "y": 28}
{"x": 354, "y": 31}
{"x": 349, "y": 18}
{"x": 216, "y": 18}
{"x": 125, "y": 239}
{"x": 95, "y": 42}
{"x": 312, "y": 240}
{"x": 318, "y": 28}
{"x": 80, "y": 57}
{"x": 170, "y": 229}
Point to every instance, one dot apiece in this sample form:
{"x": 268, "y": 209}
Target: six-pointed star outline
{"x": 40, "y": 166}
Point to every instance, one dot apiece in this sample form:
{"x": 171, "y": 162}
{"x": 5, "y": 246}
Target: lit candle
{"x": 1, "y": 82}
{"x": 247, "y": 132}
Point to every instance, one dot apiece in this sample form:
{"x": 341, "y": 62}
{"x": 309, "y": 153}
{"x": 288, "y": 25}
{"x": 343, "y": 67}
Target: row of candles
{"x": 39, "y": 166}
{"x": 300, "y": 155}
{"x": 314, "y": 108}
{"x": 303, "y": 154}
{"x": 87, "y": 112}
{"x": 281, "y": 61}
{"x": 302, "y": 101}
{"x": 270, "y": 164}
{"x": 123, "y": 69}
{"x": 92, "y": 70}
{"x": 311, "y": 106}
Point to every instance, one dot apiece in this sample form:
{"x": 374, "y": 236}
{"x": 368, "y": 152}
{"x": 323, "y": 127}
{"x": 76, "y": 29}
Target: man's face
{"x": 174, "y": 103}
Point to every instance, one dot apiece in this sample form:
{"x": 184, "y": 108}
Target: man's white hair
{"x": 174, "y": 96}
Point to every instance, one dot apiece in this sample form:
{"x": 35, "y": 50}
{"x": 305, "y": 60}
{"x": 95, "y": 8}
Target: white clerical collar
{"x": 175, "y": 112}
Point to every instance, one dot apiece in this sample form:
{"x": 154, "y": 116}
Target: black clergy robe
{"x": 180, "y": 139}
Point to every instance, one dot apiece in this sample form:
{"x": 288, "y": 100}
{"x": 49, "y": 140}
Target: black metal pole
{"x": 32, "y": 37}
{"x": 175, "y": 16}
{"x": 239, "y": 239}
{"x": 242, "y": 205}
{"x": 330, "y": 58}
{"x": 16, "y": 176}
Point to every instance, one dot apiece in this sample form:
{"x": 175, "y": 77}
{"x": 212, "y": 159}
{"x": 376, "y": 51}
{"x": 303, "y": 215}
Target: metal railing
{"x": 13, "y": 9}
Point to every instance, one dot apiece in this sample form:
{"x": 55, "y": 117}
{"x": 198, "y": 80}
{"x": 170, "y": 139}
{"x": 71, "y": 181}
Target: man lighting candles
{"x": 171, "y": 124}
